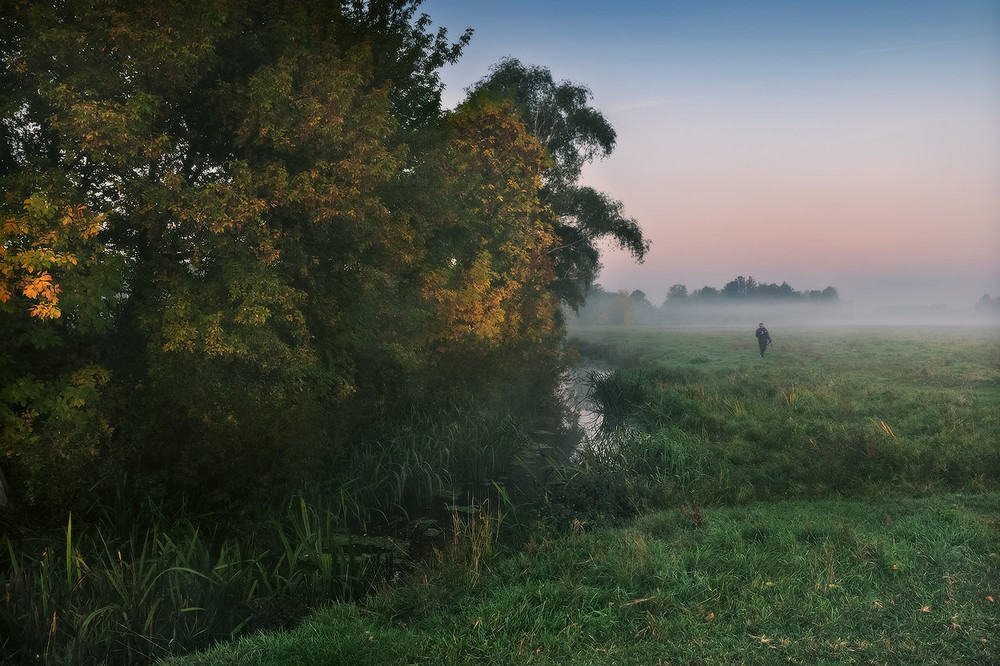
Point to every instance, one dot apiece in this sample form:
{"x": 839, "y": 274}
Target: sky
{"x": 848, "y": 143}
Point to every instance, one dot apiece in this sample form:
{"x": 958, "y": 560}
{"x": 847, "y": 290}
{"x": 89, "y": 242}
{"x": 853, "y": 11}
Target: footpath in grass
{"x": 909, "y": 580}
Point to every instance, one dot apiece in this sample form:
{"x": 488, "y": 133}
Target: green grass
{"x": 833, "y": 581}
{"x": 836, "y": 502}
{"x": 832, "y": 413}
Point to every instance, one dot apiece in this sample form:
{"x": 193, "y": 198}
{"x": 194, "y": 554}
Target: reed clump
{"x": 104, "y": 590}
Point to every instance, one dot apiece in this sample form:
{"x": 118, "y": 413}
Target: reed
{"x": 159, "y": 583}
{"x": 89, "y": 599}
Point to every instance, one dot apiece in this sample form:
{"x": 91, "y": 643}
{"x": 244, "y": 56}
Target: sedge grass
{"x": 126, "y": 591}
{"x": 89, "y": 599}
{"x": 833, "y": 581}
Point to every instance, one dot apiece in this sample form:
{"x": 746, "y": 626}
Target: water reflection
{"x": 581, "y": 416}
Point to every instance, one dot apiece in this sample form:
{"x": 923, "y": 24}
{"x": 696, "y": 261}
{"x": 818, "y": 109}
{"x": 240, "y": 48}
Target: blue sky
{"x": 853, "y": 144}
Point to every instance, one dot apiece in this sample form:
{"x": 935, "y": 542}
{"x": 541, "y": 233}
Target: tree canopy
{"x": 573, "y": 133}
{"x": 238, "y": 237}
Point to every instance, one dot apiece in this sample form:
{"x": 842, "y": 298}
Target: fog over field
{"x": 834, "y": 315}
{"x": 861, "y": 302}
{"x": 778, "y": 315}
{"x": 930, "y": 300}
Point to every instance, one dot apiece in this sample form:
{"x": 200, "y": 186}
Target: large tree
{"x": 202, "y": 191}
{"x": 236, "y": 237}
{"x": 573, "y": 133}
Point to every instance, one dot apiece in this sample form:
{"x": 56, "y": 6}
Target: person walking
{"x": 763, "y": 338}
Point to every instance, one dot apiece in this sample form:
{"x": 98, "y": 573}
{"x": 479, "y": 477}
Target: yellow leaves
{"x": 38, "y": 244}
{"x": 255, "y": 315}
{"x": 475, "y": 304}
{"x": 216, "y": 341}
{"x": 18, "y": 274}
{"x": 90, "y": 376}
{"x": 45, "y": 310}
{"x": 498, "y": 148}
{"x": 40, "y": 288}
{"x": 491, "y": 287}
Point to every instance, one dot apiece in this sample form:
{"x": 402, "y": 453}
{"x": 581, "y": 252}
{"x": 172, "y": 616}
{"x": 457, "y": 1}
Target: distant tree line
{"x": 626, "y": 308}
{"x": 988, "y": 305}
{"x": 745, "y": 289}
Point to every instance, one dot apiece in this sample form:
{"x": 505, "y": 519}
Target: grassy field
{"x": 836, "y": 502}
{"x": 838, "y": 412}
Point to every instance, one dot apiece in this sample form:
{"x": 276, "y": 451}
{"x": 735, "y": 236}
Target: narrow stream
{"x": 581, "y": 415}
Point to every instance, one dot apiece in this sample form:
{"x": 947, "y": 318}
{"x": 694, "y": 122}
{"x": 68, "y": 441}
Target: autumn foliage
{"x": 492, "y": 290}
{"x": 238, "y": 238}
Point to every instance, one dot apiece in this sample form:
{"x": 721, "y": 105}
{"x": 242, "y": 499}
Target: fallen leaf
{"x": 710, "y": 616}
{"x": 925, "y": 609}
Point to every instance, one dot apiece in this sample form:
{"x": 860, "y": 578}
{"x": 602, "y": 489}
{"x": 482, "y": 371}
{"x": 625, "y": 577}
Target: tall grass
{"x": 131, "y": 586}
{"x": 902, "y": 581}
{"x": 428, "y": 461}
{"x": 90, "y": 599}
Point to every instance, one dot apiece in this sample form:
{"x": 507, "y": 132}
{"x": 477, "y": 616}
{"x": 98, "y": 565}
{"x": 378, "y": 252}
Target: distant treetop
{"x": 747, "y": 288}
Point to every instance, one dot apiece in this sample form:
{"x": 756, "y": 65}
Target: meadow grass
{"x": 835, "y": 502}
{"x": 831, "y": 581}
{"x": 844, "y": 412}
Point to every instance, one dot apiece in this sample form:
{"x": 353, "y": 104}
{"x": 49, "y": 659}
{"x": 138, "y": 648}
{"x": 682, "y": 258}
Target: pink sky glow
{"x": 851, "y": 144}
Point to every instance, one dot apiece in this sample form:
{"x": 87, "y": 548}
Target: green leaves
{"x": 238, "y": 237}
{"x": 557, "y": 113}
{"x": 573, "y": 133}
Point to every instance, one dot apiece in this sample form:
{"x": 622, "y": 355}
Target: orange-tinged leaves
{"x": 40, "y": 288}
{"x": 37, "y": 246}
{"x": 494, "y": 292}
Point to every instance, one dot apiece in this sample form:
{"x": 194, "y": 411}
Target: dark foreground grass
{"x": 837, "y": 502}
{"x": 907, "y": 581}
